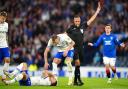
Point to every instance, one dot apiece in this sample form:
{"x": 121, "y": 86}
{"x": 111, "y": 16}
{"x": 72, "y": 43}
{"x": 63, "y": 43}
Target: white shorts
{"x": 110, "y": 61}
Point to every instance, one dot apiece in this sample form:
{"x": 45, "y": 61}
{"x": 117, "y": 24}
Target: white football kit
{"x": 65, "y": 40}
{"x": 3, "y": 36}
{"x": 37, "y": 80}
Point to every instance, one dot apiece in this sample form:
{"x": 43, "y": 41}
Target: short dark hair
{"x": 3, "y": 13}
{"x": 54, "y": 84}
{"x": 76, "y": 16}
{"x": 109, "y": 25}
{"x": 54, "y": 37}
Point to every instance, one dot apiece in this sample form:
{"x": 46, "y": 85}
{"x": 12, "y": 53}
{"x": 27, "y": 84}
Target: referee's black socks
{"x": 77, "y": 74}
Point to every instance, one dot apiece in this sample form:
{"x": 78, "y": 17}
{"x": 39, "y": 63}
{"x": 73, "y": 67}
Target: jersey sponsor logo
{"x": 63, "y": 44}
{"x": 107, "y": 42}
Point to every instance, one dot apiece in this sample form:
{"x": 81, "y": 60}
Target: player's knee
{"x": 7, "y": 60}
{"x": 68, "y": 60}
{"x": 112, "y": 67}
{"x": 57, "y": 61}
{"x": 77, "y": 62}
{"x": 107, "y": 66}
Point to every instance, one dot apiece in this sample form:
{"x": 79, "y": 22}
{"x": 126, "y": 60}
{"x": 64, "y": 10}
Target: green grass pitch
{"x": 90, "y": 83}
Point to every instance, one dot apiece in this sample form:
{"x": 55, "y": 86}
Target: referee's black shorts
{"x": 79, "y": 53}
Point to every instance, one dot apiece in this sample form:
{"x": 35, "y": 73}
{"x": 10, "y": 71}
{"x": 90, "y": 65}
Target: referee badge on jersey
{"x": 82, "y": 31}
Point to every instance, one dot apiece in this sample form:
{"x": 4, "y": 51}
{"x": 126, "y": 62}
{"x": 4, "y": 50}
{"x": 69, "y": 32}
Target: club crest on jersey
{"x": 111, "y": 38}
{"x": 82, "y": 31}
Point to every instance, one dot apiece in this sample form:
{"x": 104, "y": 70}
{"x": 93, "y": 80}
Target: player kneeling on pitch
{"x": 20, "y": 74}
{"x": 109, "y": 42}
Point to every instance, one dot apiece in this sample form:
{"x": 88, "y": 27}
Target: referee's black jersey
{"x": 77, "y": 33}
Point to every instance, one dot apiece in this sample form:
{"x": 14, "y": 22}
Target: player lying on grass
{"x": 109, "y": 42}
{"x": 65, "y": 50}
{"x": 20, "y": 74}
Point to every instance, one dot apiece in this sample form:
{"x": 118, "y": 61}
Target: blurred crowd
{"x": 32, "y": 22}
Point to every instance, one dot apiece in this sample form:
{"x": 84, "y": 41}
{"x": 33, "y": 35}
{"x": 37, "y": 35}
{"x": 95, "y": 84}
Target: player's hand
{"x": 65, "y": 53}
{"x": 90, "y": 44}
{"x": 46, "y": 65}
{"x": 99, "y": 7}
{"x": 122, "y": 45}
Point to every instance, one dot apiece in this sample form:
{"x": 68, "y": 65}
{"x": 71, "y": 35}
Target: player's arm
{"x": 95, "y": 14}
{"x": 118, "y": 42}
{"x": 50, "y": 74}
{"x": 72, "y": 43}
{"x": 46, "y": 57}
{"x": 98, "y": 42}
{"x": 47, "y": 50}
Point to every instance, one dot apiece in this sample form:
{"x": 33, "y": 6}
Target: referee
{"x": 76, "y": 33}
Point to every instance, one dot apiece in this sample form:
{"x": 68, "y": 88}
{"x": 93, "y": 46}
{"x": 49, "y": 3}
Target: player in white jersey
{"x": 65, "y": 50}
{"x": 4, "y": 50}
{"x": 21, "y": 75}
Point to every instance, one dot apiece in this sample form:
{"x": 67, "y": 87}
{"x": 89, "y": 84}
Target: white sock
{"x": 54, "y": 70}
{"x": 70, "y": 75}
{"x": 5, "y": 68}
{"x": 3, "y": 75}
{"x": 14, "y": 73}
{"x": 69, "y": 68}
{"x": 17, "y": 78}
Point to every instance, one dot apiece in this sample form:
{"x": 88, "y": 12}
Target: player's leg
{"x": 112, "y": 65}
{"x": 81, "y": 58}
{"x": 16, "y": 78}
{"x": 77, "y": 57}
{"x": 69, "y": 66}
{"x": 6, "y": 56}
{"x": 77, "y": 66}
{"x": 106, "y": 62}
{"x": 70, "y": 70}
{"x": 19, "y": 68}
{"x": 56, "y": 61}
{"x": 77, "y": 71}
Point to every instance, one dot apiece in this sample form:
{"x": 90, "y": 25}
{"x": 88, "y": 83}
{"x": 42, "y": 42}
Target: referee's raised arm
{"x": 95, "y": 14}
{"x": 76, "y": 33}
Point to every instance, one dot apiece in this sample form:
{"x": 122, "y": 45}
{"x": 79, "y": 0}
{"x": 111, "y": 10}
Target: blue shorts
{"x": 70, "y": 54}
{"x": 4, "y": 53}
{"x": 26, "y": 82}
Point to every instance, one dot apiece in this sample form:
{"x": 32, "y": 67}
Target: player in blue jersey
{"x": 21, "y": 75}
{"x": 4, "y": 50}
{"x": 109, "y": 42}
